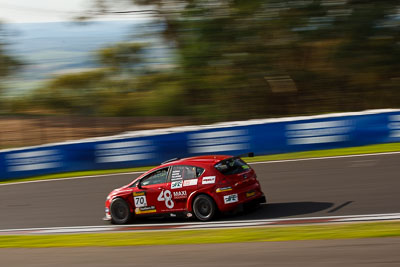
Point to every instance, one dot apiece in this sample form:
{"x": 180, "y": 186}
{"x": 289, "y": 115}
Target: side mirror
{"x": 139, "y": 185}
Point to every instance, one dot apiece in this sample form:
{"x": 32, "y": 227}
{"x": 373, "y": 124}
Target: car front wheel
{"x": 120, "y": 213}
{"x": 204, "y": 208}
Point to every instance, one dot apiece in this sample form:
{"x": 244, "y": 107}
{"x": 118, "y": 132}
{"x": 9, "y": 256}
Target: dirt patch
{"x": 18, "y": 131}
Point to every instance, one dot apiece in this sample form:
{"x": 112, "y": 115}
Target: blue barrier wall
{"x": 152, "y": 147}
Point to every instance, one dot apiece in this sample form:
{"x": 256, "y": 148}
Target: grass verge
{"x": 381, "y": 148}
{"x": 76, "y": 174}
{"x": 259, "y": 234}
{"x": 359, "y": 150}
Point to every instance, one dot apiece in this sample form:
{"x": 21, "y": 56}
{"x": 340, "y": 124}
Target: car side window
{"x": 199, "y": 171}
{"x": 157, "y": 177}
{"x": 135, "y": 183}
{"x": 184, "y": 172}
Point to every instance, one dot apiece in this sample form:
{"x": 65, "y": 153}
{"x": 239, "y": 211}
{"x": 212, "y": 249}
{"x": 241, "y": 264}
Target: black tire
{"x": 120, "y": 213}
{"x": 204, "y": 208}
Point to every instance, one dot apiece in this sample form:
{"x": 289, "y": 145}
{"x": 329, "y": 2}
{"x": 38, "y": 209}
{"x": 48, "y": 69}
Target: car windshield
{"x": 232, "y": 166}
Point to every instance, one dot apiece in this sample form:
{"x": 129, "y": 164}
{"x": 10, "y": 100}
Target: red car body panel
{"x": 177, "y": 194}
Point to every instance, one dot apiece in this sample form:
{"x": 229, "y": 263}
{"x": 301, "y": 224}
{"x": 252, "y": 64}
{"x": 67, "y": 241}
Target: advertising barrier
{"x": 263, "y": 137}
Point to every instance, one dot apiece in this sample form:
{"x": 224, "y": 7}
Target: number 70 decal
{"x": 140, "y": 201}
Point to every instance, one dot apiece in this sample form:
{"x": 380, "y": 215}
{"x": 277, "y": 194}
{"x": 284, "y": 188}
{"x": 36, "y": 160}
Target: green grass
{"x": 260, "y": 234}
{"x": 381, "y": 148}
{"x": 76, "y": 174}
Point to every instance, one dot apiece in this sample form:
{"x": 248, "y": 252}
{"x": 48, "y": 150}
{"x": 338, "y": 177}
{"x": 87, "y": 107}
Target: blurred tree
{"x": 121, "y": 86}
{"x": 238, "y": 59}
{"x": 73, "y": 93}
{"x": 241, "y": 59}
{"x": 8, "y": 64}
{"x": 124, "y": 57}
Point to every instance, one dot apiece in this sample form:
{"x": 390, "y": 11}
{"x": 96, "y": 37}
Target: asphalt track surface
{"x": 320, "y": 187}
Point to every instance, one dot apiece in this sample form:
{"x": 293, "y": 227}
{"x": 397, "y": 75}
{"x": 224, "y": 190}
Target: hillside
{"x": 52, "y": 48}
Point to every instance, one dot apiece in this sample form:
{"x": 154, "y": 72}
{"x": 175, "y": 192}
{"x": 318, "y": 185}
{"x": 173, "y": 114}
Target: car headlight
{"x": 108, "y": 197}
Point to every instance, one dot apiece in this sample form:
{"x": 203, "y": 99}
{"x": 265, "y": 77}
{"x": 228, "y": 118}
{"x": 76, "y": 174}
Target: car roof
{"x": 207, "y": 159}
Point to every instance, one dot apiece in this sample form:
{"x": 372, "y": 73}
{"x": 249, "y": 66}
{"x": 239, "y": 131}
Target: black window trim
{"x": 149, "y": 174}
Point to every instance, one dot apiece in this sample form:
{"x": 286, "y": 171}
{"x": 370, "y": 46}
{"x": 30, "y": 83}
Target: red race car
{"x": 199, "y": 186}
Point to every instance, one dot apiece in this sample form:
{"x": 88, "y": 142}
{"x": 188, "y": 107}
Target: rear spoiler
{"x": 250, "y": 155}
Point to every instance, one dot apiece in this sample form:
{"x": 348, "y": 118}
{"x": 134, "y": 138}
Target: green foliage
{"x": 332, "y": 55}
{"x": 124, "y": 56}
{"x": 209, "y": 236}
{"x": 239, "y": 59}
{"x": 123, "y": 87}
{"x": 73, "y": 93}
{"x": 8, "y": 64}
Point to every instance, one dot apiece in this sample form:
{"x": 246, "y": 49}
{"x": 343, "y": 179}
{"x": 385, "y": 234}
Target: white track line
{"x": 201, "y": 225}
{"x": 252, "y": 163}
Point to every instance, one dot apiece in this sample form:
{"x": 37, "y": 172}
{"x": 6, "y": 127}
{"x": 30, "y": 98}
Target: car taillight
{"x": 224, "y": 181}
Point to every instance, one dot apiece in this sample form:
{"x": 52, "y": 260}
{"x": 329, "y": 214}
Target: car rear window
{"x": 232, "y": 166}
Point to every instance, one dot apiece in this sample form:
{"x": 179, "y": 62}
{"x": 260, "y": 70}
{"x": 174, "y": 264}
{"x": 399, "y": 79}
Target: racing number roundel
{"x": 166, "y": 196}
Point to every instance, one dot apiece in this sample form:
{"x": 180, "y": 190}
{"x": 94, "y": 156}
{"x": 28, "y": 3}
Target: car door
{"x": 182, "y": 182}
{"x": 146, "y": 197}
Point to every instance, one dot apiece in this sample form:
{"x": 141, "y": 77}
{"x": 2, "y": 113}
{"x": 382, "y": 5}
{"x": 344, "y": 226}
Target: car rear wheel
{"x": 204, "y": 208}
{"x": 120, "y": 213}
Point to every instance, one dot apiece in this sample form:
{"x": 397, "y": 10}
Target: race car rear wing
{"x": 249, "y": 154}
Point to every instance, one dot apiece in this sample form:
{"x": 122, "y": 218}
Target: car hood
{"x": 118, "y": 191}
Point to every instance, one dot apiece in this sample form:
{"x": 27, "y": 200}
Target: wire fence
{"x": 20, "y": 131}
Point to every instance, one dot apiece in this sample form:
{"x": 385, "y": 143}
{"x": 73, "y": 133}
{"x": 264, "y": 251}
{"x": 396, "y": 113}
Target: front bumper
{"x": 108, "y": 215}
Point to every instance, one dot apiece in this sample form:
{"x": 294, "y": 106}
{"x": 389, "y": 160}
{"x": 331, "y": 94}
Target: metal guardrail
{"x": 150, "y": 147}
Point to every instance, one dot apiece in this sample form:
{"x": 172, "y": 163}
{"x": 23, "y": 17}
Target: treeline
{"x": 240, "y": 59}
{"x": 8, "y": 65}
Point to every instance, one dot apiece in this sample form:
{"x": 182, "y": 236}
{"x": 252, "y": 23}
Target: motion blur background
{"x": 118, "y": 66}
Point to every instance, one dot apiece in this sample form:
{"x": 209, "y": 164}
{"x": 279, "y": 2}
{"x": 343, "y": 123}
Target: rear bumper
{"x": 248, "y": 196}
{"x": 245, "y": 206}
{"x": 262, "y": 199}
